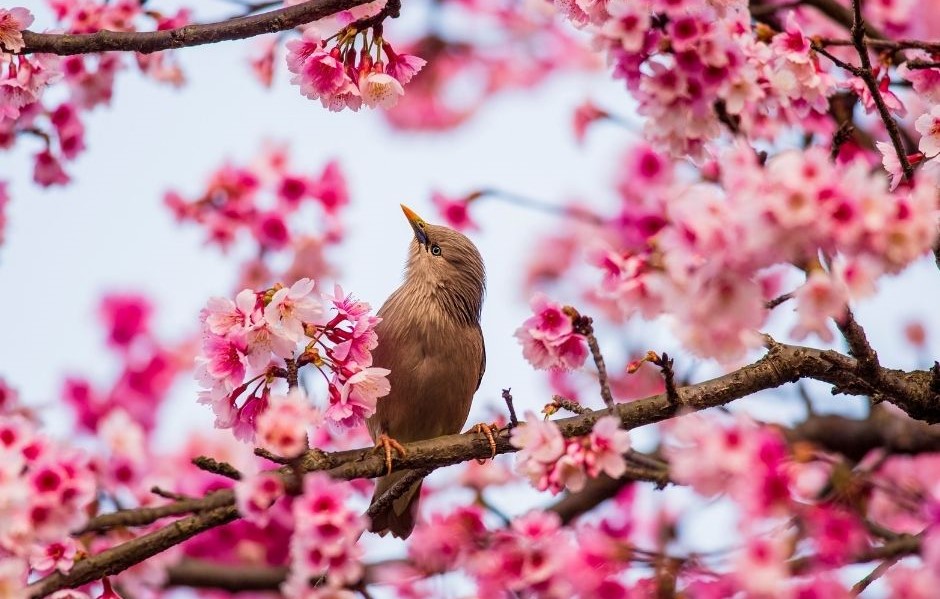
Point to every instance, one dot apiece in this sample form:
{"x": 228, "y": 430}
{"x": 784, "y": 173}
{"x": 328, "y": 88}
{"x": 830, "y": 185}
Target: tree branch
{"x": 781, "y": 364}
{"x": 273, "y": 21}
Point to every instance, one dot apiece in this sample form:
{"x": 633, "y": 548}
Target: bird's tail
{"x": 399, "y": 518}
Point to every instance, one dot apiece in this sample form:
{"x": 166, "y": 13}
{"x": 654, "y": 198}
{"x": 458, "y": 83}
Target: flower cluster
{"x": 554, "y": 463}
{"x": 703, "y": 251}
{"x": 326, "y": 530}
{"x": 89, "y": 78}
{"x": 748, "y": 462}
{"x": 346, "y": 77}
{"x": 695, "y": 66}
{"x": 148, "y": 367}
{"x": 255, "y": 494}
{"x": 259, "y": 332}
{"x": 234, "y": 200}
{"x": 548, "y": 338}
{"x": 45, "y": 493}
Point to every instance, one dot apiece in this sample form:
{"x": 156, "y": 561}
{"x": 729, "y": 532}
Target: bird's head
{"x": 447, "y": 263}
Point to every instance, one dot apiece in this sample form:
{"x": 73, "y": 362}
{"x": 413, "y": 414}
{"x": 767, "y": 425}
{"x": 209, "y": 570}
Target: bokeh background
{"x": 110, "y": 231}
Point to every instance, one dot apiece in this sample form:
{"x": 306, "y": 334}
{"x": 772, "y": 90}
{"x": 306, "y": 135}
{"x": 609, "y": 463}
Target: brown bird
{"x": 430, "y": 339}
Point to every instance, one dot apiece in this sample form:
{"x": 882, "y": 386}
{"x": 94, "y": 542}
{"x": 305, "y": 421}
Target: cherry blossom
{"x": 12, "y": 22}
{"x": 548, "y": 338}
{"x": 282, "y": 426}
{"x": 928, "y": 125}
{"x": 325, "y": 534}
{"x": 254, "y": 495}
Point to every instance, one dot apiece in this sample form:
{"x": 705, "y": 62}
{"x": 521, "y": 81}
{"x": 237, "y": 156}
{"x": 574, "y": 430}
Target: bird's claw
{"x": 487, "y": 431}
{"x": 387, "y": 444}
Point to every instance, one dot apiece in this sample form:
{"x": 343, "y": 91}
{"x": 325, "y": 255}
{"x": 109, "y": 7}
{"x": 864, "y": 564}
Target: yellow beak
{"x": 417, "y": 224}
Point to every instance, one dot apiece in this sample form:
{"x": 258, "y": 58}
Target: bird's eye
{"x": 436, "y": 250}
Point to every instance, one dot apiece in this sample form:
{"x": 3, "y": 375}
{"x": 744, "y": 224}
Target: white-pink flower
{"x": 358, "y": 396}
{"x": 818, "y": 300}
{"x": 12, "y": 23}
{"x": 291, "y": 307}
{"x": 538, "y": 440}
{"x": 608, "y": 444}
{"x": 223, "y": 316}
{"x": 928, "y": 125}
{"x": 256, "y": 493}
{"x": 282, "y": 427}
{"x": 380, "y": 90}
{"x": 222, "y": 362}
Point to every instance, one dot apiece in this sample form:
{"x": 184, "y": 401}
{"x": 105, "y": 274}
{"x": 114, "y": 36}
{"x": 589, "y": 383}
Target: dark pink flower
{"x": 127, "y": 317}
{"x": 455, "y": 211}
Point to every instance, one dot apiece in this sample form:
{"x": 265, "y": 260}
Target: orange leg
{"x": 387, "y": 444}
{"x": 487, "y": 431}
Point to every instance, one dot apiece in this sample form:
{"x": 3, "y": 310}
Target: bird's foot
{"x": 487, "y": 431}
{"x": 387, "y": 444}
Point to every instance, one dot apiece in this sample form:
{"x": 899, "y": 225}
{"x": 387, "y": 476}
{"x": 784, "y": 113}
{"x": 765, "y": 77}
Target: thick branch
{"x": 781, "y": 364}
{"x": 883, "y": 429}
{"x": 281, "y": 19}
{"x": 117, "y": 559}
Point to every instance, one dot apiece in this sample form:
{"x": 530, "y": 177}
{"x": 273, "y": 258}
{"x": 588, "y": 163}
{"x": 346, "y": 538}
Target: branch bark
{"x": 781, "y": 364}
{"x": 282, "y": 19}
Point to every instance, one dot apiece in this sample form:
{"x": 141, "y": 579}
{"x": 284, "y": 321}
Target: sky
{"x": 109, "y": 230}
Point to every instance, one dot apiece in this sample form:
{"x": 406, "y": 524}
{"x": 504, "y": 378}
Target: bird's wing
{"x": 482, "y": 356}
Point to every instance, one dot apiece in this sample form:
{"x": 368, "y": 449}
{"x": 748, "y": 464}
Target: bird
{"x": 429, "y": 337}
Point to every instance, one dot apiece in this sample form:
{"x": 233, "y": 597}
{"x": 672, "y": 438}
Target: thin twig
{"x": 168, "y": 494}
{"x": 866, "y": 74}
{"x": 216, "y": 467}
{"x": 665, "y": 364}
{"x": 566, "y": 404}
{"x": 507, "y": 397}
{"x": 532, "y": 204}
{"x": 773, "y": 303}
{"x": 400, "y": 487}
{"x": 584, "y": 325}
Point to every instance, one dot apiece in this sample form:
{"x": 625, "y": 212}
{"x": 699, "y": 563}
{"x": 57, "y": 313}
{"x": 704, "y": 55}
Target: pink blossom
{"x": 586, "y": 113}
{"x": 455, "y": 211}
{"x": 818, "y": 300}
{"x": 325, "y": 535}
{"x": 442, "y": 543}
{"x": 222, "y": 362}
{"x": 403, "y": 67}
{"x": 479, "y": 476}
{"x": 271, "y": 231}
{"x": 320, "y": 75}
{"x": 891, "y": 163}
{"x": 222, "y": 316}
{"x": 331, "y": 188}
{"x": 358, "y": 396}
{"x": 608, "y": 443}
{"x": 380, "y": 89}
{"x": 12, "y": 22}
{"x": 282, "y": 427}
{"x": 255, "y": 494}
{"x": 539, "y": 440}
{"x": 548, "y": 339}
{"x": 290, "y": 307}
{"x": 48, "y": 170}
{"x": 928, "y": 125}
{"x": 262, "y": 61}
{"x": 127, "y": 317}
{"x": 58, "y": 555}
